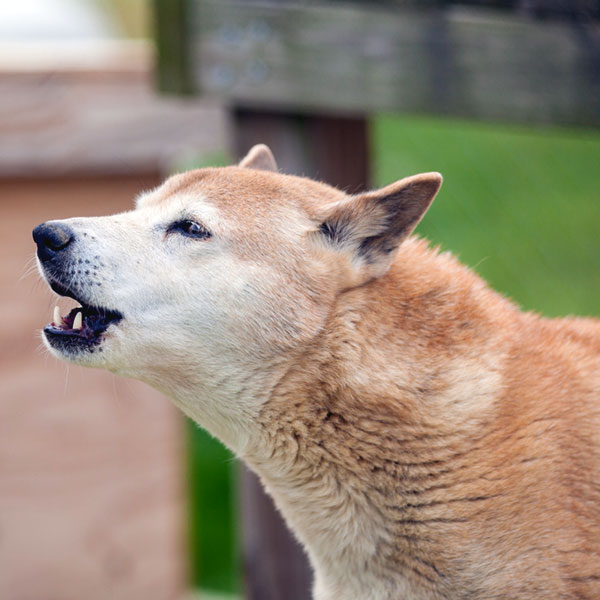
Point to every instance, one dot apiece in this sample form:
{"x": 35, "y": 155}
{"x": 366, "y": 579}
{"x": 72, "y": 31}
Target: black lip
{"x": 69, "y": 342}
{"x": 95, "y": 323}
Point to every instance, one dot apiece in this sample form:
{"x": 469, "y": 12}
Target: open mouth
{"x": 81, "y": 328}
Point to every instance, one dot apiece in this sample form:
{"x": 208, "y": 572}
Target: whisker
{"x": 42, "y": 351}
{"x": 29, "y": 268}
{"x": 114, "y": 388}
{"x": 67, "y": 372}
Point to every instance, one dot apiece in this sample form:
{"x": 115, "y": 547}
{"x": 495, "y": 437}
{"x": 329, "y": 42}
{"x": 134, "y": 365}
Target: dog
{"x": 422, "y": 436}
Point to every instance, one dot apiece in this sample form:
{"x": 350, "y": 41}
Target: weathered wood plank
{"x": 475, "y": 62}
{"x": 331, "y": 149}
{"x": 275, "y": 565}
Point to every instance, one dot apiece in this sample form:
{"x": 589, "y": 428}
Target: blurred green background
{"x": 519, "y": 205}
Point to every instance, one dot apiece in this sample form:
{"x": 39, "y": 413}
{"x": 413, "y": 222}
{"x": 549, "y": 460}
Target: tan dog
{"x": 422, "y": 436}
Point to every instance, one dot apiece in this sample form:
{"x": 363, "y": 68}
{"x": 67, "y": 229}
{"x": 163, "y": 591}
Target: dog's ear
{"x": 259, "y": 157}
{"x": 370, "y": 227}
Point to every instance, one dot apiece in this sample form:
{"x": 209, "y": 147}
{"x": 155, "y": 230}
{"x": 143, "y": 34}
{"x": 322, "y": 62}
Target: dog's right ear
{"x": 368, "y": 228}
{"x": 259, "y": 157}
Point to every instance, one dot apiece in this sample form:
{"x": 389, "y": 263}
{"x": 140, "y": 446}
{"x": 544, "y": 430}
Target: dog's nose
{"x": 51, "y": 238}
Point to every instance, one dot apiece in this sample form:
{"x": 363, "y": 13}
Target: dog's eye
{"x": 190, "y": 228}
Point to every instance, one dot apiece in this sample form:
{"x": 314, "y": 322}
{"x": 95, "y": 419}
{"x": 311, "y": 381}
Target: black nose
{"x": 51, "y": 238}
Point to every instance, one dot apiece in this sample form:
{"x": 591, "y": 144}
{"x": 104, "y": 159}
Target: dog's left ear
{"x": 259, "y": 157}
{"x": 370, "y": 227}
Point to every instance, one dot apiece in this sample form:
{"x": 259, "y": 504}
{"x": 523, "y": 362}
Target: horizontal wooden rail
{"x": 466, "y": 61}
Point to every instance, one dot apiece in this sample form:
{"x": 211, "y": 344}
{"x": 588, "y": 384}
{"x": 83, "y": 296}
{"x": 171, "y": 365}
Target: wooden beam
{"x": 465, "y": 61}
{"x": 333, "y": 149}
{"x": 275, "y": 566}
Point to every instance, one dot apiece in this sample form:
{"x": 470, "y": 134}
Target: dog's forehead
{"x": 242, "y": 193}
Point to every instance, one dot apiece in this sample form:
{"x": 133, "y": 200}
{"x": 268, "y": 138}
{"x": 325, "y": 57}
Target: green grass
{"x": 519, "y": 205}
{"x": 212, "y": 515}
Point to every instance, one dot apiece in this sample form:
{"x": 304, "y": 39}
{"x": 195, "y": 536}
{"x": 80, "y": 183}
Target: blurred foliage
{"x": 218, "y": 158}
{"x": 214, "y": 560}
{"x": 519, "y": 205}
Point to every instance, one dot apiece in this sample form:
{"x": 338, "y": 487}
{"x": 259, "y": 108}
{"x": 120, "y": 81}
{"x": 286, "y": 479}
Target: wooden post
{"x": 335, "y": 150}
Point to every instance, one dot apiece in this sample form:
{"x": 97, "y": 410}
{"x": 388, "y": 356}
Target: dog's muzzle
{"x": 82, "y": 329}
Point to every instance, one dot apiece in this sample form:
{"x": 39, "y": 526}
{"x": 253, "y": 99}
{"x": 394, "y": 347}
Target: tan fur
{"x": 471, "y": 433}
{"x": 423, "y": 437}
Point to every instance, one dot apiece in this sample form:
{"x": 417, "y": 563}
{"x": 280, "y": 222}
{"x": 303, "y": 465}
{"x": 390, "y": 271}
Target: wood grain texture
{"x": 91, "y": 465}
{"x": 475, "y": 62}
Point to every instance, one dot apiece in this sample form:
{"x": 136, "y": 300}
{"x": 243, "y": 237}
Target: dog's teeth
{"x": 78, "y": 321}
{"x": 56, "y": 318}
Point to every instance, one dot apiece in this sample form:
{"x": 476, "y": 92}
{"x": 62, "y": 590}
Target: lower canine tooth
{"x": 78, "y": 321}
{"x": 56, "y": 320}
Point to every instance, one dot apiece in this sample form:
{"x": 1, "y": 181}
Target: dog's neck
{"x": 360, "y": 418}
{"x": 342, "y": 433}
{"x": 227, "y": 406}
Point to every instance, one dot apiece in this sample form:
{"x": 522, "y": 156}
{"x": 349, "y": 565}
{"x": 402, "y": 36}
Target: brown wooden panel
{"x": 468, "y": 61}
{"x": 328, "y": 148}
{"x": 275, "y": 566}
{"x": 92, "y": 501}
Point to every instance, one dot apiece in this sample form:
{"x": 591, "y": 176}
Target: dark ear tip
{"x": 428, "y": 184}
{"x": 434, "y": 179}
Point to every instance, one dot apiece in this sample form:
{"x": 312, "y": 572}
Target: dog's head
{"x": 218, "y": 268}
